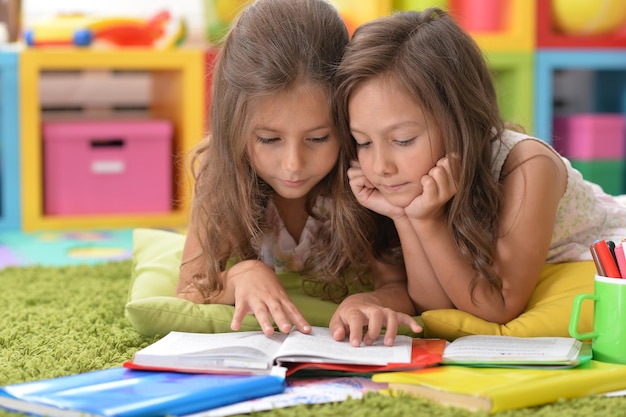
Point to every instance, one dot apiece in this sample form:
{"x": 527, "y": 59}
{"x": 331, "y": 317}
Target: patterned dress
{"x": 279, "y": 249}
{"x": 585, "y": 213}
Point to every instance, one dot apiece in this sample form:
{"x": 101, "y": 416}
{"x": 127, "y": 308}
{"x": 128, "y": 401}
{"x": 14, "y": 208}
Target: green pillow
{"x": 153, "y": 309}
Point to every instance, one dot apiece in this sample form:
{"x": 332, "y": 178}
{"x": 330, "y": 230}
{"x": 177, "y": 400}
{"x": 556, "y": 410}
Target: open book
{"x": 255, "y": 353}
{"x": 509, "y": 351}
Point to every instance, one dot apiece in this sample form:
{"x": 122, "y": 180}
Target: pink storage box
{"x": 120, "y": 166}
{"x": 590, "y": 136}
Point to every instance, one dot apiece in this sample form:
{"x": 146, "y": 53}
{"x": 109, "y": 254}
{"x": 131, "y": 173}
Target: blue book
{"x": 124, "y": 392}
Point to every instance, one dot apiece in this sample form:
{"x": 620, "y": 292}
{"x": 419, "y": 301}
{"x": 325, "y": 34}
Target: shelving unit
{"x": 9, "y": 142}
{"x": 524, "y": 56}
{"x": 600, "y": 62}
{"x": 356, "y": 12}
{"x": 608, "y": 173}
{"x": 549, "y": 61}
{"x": 177, "y": 95}
{"x": 547, "y": 37}
{"x": 513, "y": 74}
{"x": 525, "y": 52}
{"x": 509, "y": 53}
{"x": 518, "y": 28}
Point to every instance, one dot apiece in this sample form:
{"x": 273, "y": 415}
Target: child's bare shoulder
{"x": 536, "y": 156}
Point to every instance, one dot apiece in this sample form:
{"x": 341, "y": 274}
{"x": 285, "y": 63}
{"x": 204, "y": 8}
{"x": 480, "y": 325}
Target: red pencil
{"x": 621, "y": 259}
{"x": 606, "y": 259}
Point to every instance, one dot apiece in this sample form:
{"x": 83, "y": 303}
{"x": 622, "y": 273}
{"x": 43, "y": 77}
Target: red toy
{"x": 81, "y": 30}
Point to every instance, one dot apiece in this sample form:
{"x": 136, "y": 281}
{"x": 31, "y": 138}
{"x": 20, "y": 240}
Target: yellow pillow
{"x": 547, "y": 314}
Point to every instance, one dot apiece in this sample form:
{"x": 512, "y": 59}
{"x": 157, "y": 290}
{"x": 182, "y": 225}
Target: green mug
{"x": 608, "y": 336}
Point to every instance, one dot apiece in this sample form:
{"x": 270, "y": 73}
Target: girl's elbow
{"x": 499, "y": 306}
{"x": 502, "y": 315}
{"x": 504, "y": 318}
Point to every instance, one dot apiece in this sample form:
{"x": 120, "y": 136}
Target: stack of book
{"x": 212, "y": 375}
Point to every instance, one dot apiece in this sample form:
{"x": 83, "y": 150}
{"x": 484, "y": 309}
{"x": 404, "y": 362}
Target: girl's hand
{"x": 258, "y": 291}
{"x": 367, "y": 195}
{"x": 363, "y": 310}
{"x": 438, "y": 188}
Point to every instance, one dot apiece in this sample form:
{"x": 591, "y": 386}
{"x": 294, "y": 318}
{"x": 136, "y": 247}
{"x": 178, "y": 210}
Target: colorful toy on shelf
{"x": 584, "y": 17}
{"x": 219, "y": 14}
{"x": 84, "y": 30}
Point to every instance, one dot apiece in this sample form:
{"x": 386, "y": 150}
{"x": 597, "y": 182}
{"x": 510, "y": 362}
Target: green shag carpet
{"x": 60, "y": 321}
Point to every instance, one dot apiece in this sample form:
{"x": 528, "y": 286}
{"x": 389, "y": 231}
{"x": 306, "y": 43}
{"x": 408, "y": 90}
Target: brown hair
{"x": 272, "y": 46}
{"x": 443, "y": 69}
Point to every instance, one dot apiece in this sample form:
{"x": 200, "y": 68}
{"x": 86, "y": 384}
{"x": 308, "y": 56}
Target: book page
{"x": 205, "y": 350}
{"x": 486, "y": 349}
{"x": 319, "y": 346}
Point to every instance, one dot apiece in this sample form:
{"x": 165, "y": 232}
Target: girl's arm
{"x": 192, "y": 264}
{"x": 534, "y": 181}
{"x": 192, "y": 271}
{"x": 387, "y": 306}
{"x": 251, "y": 286}
{"x": 423, "y": 287}
{"x": 254, "y": 288}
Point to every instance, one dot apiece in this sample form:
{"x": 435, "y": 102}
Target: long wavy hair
{"x": 272, "y": 46}
{"x": 443, "y": 69}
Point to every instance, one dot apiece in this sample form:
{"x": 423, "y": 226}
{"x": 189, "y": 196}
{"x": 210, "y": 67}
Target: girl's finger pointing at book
{"x": 238, "y": 316}
{"x": 410, "y": 322}
{"x": 374, "y": 327}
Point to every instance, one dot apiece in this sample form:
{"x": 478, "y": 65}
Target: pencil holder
{"x": 608, "y": 337}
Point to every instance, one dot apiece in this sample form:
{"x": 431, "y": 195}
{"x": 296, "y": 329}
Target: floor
{"x": 51, "y": 248}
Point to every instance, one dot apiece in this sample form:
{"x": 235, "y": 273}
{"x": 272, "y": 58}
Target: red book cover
{"x": 424, "y": 353}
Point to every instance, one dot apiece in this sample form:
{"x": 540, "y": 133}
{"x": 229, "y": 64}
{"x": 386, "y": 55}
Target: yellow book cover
{"x": 498, "y": 389}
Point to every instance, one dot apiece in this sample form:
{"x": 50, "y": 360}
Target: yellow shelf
{"x": 516, "y": 35}
{"x": 357, "y": 12}
{"x": 178, "y": 96}
{"x": 519, "y": 33}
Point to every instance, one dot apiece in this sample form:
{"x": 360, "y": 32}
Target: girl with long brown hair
{"x": 271, "y": 192}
